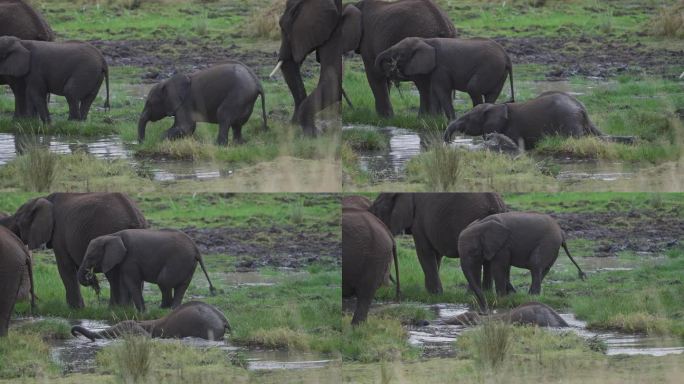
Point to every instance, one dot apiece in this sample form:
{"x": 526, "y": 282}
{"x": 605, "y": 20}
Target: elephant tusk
{"x": 277, "y": 67}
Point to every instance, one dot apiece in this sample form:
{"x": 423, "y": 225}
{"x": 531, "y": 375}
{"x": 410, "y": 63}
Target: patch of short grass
{"x": 377, "y": 339}
{"x": 25, "y": 355}
{"x": 360, "y": 139}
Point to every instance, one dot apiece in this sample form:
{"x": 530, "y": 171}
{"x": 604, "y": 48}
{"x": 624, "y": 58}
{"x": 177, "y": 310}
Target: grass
{"x": 492, "y": 342}
{"x": 132, "y": 359}
{"x": 669, "y": 22}
{"x": 360, "y": 139}
{"x": 36, "y": 167}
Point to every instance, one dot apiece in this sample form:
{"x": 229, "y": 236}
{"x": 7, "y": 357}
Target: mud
{"x": 279, "y": 247}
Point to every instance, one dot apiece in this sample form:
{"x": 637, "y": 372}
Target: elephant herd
{"x": 478, "y": 228}
{"x": 404, "y": 40}
{"x": 105, "y": 233}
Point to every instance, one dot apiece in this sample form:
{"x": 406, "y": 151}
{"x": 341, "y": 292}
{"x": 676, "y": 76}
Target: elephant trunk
{"x": 77, "y": 329}
{"x": 384, "y": 63}
{"x": 455, "y": 126}
{"x": 142, "y": 124}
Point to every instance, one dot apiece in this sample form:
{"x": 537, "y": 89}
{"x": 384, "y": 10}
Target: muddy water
{"x": 79, "y": 354}
{"x": 438, "y": 339}
{"x": 112, "y": 148}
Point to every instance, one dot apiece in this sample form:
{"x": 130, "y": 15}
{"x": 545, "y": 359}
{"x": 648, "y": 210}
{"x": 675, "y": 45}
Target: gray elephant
{"x": 19, "y": 19}
{"x": 192, "y": 319}
{"x": 67, "y": 222}
{"x": 435, "y": 220}
{"x": 551, "y": 113}
{"x": 476, "y": 66}
{"x": 71, "y": 69}
{"x": 167, "y": 258}
{"x": 15, "y": 270}
{"x": 223, "y": 94}
{"x": 386, "y": 23}
{"x": 356, "y": 202}
{"x": 519, "y": 239}
{"x": 532, "y": 313}
{"x": 368, "y": 249}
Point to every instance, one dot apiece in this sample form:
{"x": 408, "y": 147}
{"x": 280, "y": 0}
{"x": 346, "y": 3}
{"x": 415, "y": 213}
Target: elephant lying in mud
{"x": 192, "y": 319}
{"x": 551, "y": 113}
{"x": 223, "y": 94}
{"x": 532, "y": 313}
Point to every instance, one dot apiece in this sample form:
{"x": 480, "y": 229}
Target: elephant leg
{"x": 378, "y": 84}
{"x": 37, "y": 99}
{"x": 443, "y": 97}
{"x": 167, "y": 296}
{"x": 224, "y": 127}
{"x": 363, "y": 303}
{"x": 472, "y": 272}
{"x": 509, "y": 287}
{"x": 177, "y": 131}
{"x": 134, "y": 285}
{"x": 19, "y": 90}
{"x": 68, "y": 272}
{"x": 237, "y": 133}
{"x": 429, "y": 105}
{"x": 179, "y": 292}
{"x": 476, "y": 98}
{"x": 429, "y": 262}
{"x": 487, "y": 276}
{"x": 499, "y": 272}
{"x": 114, "y": 288}
{"x": 10, "y": 284}
{"x": 535, "y": 287}
{"x": 74, "y": 108}
{"x": 86, "y": 103}
{"x": 293, "y": 78}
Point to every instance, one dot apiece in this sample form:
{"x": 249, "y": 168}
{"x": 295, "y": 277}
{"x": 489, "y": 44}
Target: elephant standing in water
{"x": 531, "y": 313}
{"x": 384, "y": 24}
{"x": 19, "y": 19}
{"x": 223, "y": 94}
{"x": 16, "y": 276}
{"x": 368, "y": 249}
{"x": 324, "y": 27}
{"x": 67, "y": 222}
{"x": 192, "y": 319}
{"x": 519, "y": 239}
{"x": 167, "y": 258}
{"x": 435, "y": 220}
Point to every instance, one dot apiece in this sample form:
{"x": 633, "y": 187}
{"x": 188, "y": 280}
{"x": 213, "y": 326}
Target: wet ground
{"x": 78, "y": 354}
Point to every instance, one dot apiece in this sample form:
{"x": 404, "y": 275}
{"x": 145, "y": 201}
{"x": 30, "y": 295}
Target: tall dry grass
{"x": 669, "y": 22}
{"x": 263, "y": 23}
{"x": 37, "y": 168}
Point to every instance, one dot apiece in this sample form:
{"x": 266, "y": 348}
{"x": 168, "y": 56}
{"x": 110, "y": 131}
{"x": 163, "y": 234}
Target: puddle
{"x": 78, "y": 355}
{"x": 112, "y": 148}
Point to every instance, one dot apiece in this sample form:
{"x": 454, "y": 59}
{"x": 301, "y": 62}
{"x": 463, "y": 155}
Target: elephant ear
{"x": 175, "y": 91}
{"x": 402, "y": 213}
{"x": 422, "y": 61}
{"x": 307, "y": 24}
{"x": 40, "y": 225}
{"x": 352, "y": 28}
{"x": 15, "y": 58}
{"x": 114, "y": 253}
{"x": 495, "y": 118}
{"x": 494, "y": 237}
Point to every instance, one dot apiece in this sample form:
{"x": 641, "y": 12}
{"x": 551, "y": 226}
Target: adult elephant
{"x": 66, "y": 222}
{"x": 16, "y": 276}
{"x": 324, "y": 27}
{"x": 435, "y": 220}
{"x": 368, "y": 249}
{"x": 384, "y": 24}
{"x": 18, "y": 18}
{"x": 192, "y": 319}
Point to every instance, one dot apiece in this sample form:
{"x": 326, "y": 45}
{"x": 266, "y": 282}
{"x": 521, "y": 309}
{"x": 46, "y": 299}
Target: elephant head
{"x": 164, "y": 99}
{"x": 409, "y": 57}
{"x": 481, "y": 120}
{"x": 103, "y": 254}
{"x": 483, "y": 239}
{"x": 396, "y": 210}
{"x": 14, "y": 57}
{"x": 32, "y": 223}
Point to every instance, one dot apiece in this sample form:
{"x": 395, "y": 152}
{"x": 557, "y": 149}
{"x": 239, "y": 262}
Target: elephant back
{"x": 14, "y": 258}
{"x": 18, "y": 18}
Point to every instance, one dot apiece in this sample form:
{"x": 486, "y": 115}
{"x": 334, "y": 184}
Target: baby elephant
{"x": 223, "y": 94}
{"x": 71, "y": 69}
{"x": 476, "y": 66}
{"x": 551, "y": 113}
{"x": 531, "y": 313}
{"x": 518, "y": 239}
{"x": 192, "y": 319}
{"x": 167, "y": 258}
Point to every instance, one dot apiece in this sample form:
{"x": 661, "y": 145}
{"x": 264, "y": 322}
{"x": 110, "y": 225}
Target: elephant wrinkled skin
{"x": 15, "y": 266}
{"x": 192, "y": 319}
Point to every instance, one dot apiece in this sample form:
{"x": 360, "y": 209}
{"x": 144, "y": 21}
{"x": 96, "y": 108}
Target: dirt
{"x": 644, "y": 231}
{"x": 279, "y": 247}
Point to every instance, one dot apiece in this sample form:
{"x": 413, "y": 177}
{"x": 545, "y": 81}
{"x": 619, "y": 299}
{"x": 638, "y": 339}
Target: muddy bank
{"x": 280, "y": 247}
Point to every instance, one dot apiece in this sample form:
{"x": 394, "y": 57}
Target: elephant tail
{"x": 346, "y": 98}
{"x": 77, "y": 329}
{"x": 510, "y": 79}
{"x": 396, "y": 270}
{"x": 582, "y": 275}
{"x": 212, "y": 290}
{"x": 105, "y": 71}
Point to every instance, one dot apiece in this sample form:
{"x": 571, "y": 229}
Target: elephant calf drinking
{"x": 167, "y": 258}
{"x": 531, "y": 313}
{"x": 192, "y": 319}
{"x": 223, "y": 94}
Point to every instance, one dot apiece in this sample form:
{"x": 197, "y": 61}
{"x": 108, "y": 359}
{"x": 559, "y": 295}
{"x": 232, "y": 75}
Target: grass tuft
{"x": 133, "y": 357}
{"x": 37, "y": 168}
{"x": 264, "y": 23}
{"x": 360, "y": 139}
{"x": 669, "y": 22}
{"x": 492, "y": 341}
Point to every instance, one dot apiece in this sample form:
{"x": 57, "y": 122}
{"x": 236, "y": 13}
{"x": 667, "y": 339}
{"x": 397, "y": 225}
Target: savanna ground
{"x": 639, "y": 235}
{"x": 621, "y": 58}
{"x": 145, "y": 42}
{"x": 289, "y": 245}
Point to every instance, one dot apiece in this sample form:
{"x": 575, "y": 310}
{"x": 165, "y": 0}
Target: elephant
{"x": 19, "y": 19}
{"x": 66, "y": 223}
{"x": 192, "y": 319}
{"x": 476, "y": 66}
{"x": 551, "y": 113}
{"x": 71, "y": 69}
{"x": 356, "y": 202}
{"x": 368, "y": 250}
{"x": 325, "y": 27}
{"x": 435, "y": 220}
{"x": 520, "y": 239}
{"x": 531, "y": 313}
{"x": 223, "y": 94}
{"x": 386, "y": 23}
{"x": 15, "y": 272}
{"x": 167, "y": 258}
